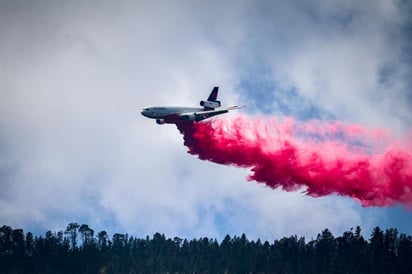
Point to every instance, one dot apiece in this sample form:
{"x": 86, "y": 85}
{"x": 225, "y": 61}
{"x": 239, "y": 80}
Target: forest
{"x": 78, "y": 249}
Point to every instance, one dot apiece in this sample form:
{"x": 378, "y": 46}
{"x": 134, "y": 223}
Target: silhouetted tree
{"x": 103, "y": 238}
{"x": 386, "y": 252}
{"x": 87, "y": 234}
{"x": 71, "y": 230}
{"x": 404, "y": 248}
{"x": 325, "y": 252}
{"x": 376, "y": 250}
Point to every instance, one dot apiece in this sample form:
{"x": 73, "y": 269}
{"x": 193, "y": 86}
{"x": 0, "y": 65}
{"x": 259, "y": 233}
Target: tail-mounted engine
{"x": 210, "y": 104}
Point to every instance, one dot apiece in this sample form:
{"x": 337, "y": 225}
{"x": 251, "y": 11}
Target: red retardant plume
{"x": 321, "y": 157}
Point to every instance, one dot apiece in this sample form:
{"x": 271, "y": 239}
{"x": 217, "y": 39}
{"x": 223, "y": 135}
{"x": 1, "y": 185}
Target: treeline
{"x": 79, "y": 250}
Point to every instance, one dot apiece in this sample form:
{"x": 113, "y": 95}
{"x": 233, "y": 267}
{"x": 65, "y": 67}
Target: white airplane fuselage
{"x": 174, "y": 114}
{"x": 163, "y": 112}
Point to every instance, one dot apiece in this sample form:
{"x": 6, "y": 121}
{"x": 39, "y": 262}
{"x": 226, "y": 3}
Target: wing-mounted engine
{"x": 160, "y": 121}
{"x": 210, "y": 104}
{"x": 188, "y": 116}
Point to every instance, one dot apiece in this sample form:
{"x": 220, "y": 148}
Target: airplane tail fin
{"x": 211, "y": 103}
{"x": 213, "y": 94}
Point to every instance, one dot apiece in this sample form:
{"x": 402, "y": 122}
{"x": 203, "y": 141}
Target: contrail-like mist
{"x": 321, "y": 157}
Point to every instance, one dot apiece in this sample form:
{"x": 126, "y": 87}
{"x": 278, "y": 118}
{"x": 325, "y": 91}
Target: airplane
{"x": 173, "y": 115}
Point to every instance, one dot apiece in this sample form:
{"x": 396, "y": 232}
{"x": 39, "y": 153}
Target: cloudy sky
{"x": 74, "y": 76}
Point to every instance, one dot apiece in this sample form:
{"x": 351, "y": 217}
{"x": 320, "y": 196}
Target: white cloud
{"x": 348, "y": 58}
{"x": 74, "y": 78}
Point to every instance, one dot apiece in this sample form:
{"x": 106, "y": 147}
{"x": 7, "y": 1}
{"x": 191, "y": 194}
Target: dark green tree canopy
{"x": 64, "y": 252}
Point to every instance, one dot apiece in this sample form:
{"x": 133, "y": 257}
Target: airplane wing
{"x": 199, "y": 116}
{"x": 202, "y": 115}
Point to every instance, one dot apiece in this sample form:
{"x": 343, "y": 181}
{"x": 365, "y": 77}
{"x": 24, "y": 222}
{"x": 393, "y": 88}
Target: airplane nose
{"x": 147, "y": 113}
{"x": 144, "y": 113}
